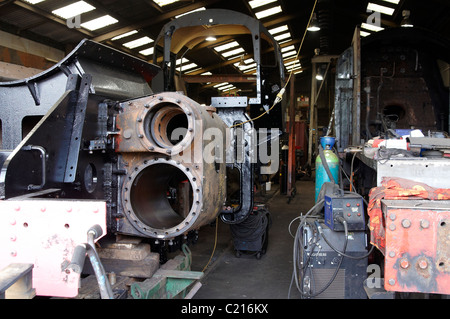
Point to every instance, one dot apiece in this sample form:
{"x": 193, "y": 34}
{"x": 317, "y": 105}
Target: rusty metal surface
{"x": 156, "y": 165}
{"x": 417, "y": 246}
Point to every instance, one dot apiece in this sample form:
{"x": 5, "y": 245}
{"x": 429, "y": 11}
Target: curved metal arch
{"x": 211, "y": 21}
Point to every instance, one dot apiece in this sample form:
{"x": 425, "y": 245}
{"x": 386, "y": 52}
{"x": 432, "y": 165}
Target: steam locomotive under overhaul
{"x": 95, "y": 163}
{"x": 107, "y": 156}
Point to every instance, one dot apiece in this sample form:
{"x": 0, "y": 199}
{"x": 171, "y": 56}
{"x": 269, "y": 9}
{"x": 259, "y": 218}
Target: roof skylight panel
{"x": 192, "y": 11}
{"x": 259, "y": 3}
{"x": 379, "y": 8}
{"x": 297, "y": 62}
{"x": 245, "y": 67}
{"x": 73, "y": 9}
{"x": 278, "y": 29}
{"x": 288, "y": 54}
{"x": 34, "y": 1}
{"x": 283, "y": 36}
{"x": 268, "y": 12}
{"x": 288, "y": 48}
{"x": 138, "y": 42}
{"x": 226, "y": 46}
{"x": 221, "y": 84}
{"x": 231, "y": 53}
{"x": 99, "y": 23}
{"x": 163, "y": 3}
{"x": 148, "y": 51}
{"x": 124, "y": 35}
{"x": 392, "y": 1}
{"x": 371, "y": 27}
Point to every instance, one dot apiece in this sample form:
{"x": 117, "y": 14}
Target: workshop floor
{"x": 230, "y": 277}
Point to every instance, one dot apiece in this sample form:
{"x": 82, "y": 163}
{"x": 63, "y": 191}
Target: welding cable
{"x": 344, "y": 222}
{"x": 102, "y": 280}
{"x": 303, "y": 220}
{"x": 280, "y": 94}
{"x": 295, "y": 277}
{"x": 215, "y": 244}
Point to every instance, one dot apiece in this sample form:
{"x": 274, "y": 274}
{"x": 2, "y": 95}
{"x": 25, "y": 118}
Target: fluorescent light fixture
{"x": 34, "y": 1}
{"x": 226, "y": 46}
{"x": 278, "y": 29}
{"x": 382, "y": 9}
{"x": 314, "y": 24}
{"x": 99, "y": 23}
{"x": 371, "y": 27}
{"x": 259, "y": 3}
{"x": 138, "y": 42}
{"x": 189, "y": 12}
{"x": 124, "y": 35}
{"x": 206, "y": 73}
{"x": 283, "y": 36}
{"x": 148, "y": 51}
{"x": 211, "y": 39}
{"x": 73, "y": 10}
{"x": 163, "y": 3}
{"x": 364, "y": 33}
{"x": 268, "y": 12}
{"x": 233, "y": 52}
{"x": 392, "y": 1}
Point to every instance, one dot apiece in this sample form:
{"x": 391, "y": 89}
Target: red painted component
{"x": 417, "y": 255}
{"x": 45, "y": 233}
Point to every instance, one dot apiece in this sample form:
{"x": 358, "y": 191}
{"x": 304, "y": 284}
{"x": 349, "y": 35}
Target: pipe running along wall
{"x": 175, "y": 172}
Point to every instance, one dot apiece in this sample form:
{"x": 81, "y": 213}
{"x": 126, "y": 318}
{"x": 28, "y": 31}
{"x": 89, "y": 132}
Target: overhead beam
{"x": 154, "y": 20}
{"x": 235, "y": 78}
{"x": 51, "y": 17}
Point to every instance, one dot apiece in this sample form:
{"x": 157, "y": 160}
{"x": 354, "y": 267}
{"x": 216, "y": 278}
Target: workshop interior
{"x": 250, "y": 149}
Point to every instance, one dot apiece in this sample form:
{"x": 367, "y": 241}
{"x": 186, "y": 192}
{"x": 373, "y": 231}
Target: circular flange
{"x": 145, "y": 198}
{"x": 163, "y": 119}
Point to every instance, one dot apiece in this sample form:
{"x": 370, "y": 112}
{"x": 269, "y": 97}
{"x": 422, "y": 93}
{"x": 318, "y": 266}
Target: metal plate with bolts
{"x": 417, "y": 246}
{"x": 45, "y": 233}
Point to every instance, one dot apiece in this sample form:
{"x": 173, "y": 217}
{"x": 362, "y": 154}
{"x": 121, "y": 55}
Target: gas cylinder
{"x": 331, "y": 159}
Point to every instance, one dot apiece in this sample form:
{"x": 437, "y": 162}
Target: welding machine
{"x": 326, "y": 273}
{"x": 348, "y": 206}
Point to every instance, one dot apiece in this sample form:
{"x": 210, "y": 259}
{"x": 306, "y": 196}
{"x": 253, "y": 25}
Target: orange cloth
{"x": 396, "y": 189}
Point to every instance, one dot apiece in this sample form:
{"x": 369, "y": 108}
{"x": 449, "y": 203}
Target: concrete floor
{"x": 230, "y": 277}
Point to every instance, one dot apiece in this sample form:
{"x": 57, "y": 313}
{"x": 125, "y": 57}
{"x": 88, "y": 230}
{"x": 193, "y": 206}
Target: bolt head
{"x": 406, "y": 223}
{"x": 423, "y": 264}
{"x": 404, "y": 263}
{"x": 424, "y": 223}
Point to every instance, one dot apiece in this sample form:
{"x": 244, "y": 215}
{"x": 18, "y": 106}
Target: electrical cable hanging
{"x": 280, "y": 94}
